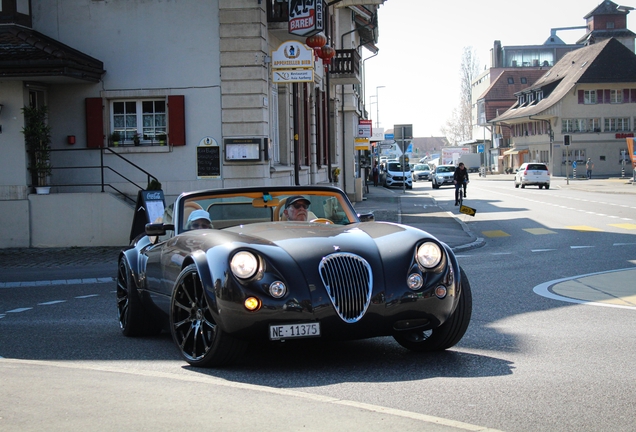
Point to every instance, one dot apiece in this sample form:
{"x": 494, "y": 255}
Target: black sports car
{"x": 248, "y": 273}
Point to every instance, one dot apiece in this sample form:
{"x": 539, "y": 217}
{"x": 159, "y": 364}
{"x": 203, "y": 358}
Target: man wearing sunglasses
{"x": 296, "y": 208}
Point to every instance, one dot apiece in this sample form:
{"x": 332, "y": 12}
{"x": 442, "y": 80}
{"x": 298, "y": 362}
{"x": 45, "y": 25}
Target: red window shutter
{"x": 581, "y": 96}
{"x": 176, "y": 120}
{"x": 625, "y": 95}
{"x": 94, "y": 123}
{"x": 633, "y": 98}
{"x": 607, "y": 96}
{"x": 599, "y": 96}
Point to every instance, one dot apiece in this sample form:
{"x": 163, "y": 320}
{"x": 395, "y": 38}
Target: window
{"x": 143, "y": 118}
{"x": 609, "y": 25}
{"x": 594, "y": 125}
{"x": 511, "y": 80}
{"x": 567, "y": 125}
{"x": 524, "y": 80}
{"x": 589, "y": 97}
{"x": 616, "y": 96}
{"x": 617, "y": 124}
{"x": 539, "y": 95}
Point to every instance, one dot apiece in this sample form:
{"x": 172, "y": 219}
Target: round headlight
{"x": 429, "y": 255}
{"x": 244, "y": 265}
{"x": 277, "y": 289}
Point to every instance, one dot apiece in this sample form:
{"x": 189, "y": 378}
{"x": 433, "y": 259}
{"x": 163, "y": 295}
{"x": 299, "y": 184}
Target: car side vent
{"x": 349, "y": 282}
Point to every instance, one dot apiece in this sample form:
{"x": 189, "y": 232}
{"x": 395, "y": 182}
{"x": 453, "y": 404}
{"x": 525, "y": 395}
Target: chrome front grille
{"x": 349, "y": 281}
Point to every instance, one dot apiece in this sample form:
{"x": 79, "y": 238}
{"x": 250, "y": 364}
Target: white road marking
{"x": 56, "y": 282}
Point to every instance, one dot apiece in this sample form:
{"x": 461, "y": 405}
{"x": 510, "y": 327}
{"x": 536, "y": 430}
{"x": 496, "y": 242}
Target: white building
{"x": 200, "y": 72}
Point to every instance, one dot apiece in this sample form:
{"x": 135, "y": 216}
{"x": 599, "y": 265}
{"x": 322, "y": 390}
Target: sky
{"x": 421, "y": 44}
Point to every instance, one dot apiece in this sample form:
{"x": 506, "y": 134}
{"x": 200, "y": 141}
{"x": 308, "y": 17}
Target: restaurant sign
{"x": 305, "y": 17}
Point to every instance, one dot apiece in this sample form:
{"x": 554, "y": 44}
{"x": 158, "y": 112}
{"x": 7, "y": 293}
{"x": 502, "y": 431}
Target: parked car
{"x": 443, "y": 175}
{"x": 533, "y": 174}
{"x": 421, "y": 172}
{"x": 397, "y": 175}
{"x": 255, "y": 276}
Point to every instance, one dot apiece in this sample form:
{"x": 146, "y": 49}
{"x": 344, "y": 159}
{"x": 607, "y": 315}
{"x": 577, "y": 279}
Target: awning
{"x": 516, "y": 150}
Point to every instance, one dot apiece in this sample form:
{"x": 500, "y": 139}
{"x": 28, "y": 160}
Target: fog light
{"x": 440, "y": 291}
{"x": 277, "y": 289}
{"x": 414, "y": 281}
{"x": 252, "y": 303}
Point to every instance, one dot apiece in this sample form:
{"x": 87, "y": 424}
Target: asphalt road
{"x": 537, "y": 356}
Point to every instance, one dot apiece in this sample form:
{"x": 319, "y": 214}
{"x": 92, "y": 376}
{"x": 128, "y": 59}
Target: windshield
{"x": 225, "y": 210}
{"x": 422, "y": 168}
{"x": 445, "y": 169}
{"x": 396, "y": 166}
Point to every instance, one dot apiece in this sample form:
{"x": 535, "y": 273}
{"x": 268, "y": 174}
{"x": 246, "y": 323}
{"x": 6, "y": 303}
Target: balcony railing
{"x": 345, "y": 67}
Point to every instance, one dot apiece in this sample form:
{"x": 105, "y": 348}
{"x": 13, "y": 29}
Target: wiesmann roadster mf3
{"x": 251, "y": 274}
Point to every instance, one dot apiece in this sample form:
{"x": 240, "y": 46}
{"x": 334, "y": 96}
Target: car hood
{"x": 306, "y": 240}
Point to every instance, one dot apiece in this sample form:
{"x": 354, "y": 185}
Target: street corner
{"x": 613, "y": 288}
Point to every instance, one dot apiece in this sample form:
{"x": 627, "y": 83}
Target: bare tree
{"x": 459, "y": 127}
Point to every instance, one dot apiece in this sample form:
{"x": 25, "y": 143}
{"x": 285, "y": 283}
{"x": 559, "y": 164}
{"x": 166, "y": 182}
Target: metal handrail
{"x": 102, "y": 168}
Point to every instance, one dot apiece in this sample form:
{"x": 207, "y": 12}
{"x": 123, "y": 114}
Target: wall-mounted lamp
{"x": 70, "y": 139}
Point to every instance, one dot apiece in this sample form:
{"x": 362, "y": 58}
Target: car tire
{"x": 516, "y": 185}
{"x": 540, "y": 186}
{"x": 133, "y": 320}
{"x": 449, "y": 333}
{"x": 547, "y": 186}
{"x": 523, "y": 186}
{"x": 199, "y": 338}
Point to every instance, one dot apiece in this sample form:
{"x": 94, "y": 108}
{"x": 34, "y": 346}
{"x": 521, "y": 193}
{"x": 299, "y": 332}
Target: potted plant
{"x": 336, "y": 174}
{"x": 37, "y": 138}
{"x": 114, "y": 138}
{"x": 136, "y": 139}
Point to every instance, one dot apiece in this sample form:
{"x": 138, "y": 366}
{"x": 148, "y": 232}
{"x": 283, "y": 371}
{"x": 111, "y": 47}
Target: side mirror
{"x": 367, "y": 217}
{"x": 158, "y": 229}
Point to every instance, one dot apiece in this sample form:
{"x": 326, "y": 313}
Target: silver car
{"x": 443, "y": 175}
{"x": 533, "y": 173}
{"x": 421, "y": 172}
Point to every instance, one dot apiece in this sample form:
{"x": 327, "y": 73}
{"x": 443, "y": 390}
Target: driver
{"x": 296, "y": 208}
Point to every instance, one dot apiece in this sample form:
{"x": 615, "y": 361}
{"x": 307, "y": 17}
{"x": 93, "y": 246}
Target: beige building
{"x": 587, "y": 101}
{"x": 184, "y": 93}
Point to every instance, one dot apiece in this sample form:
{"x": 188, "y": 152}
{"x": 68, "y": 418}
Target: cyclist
{"x": 460, "y": 178}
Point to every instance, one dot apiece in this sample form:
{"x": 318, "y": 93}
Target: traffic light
{"x": 566, "y": 139}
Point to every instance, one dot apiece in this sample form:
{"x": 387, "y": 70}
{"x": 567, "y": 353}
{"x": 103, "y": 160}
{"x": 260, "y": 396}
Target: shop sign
{"x": 305, "y": 17}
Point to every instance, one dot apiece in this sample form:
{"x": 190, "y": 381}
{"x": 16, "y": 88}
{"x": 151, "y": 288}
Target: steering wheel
{"x": 277, "y": 210}
{"x": 322, "y": 220}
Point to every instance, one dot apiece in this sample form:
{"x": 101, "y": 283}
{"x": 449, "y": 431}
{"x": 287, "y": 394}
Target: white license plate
{"x": 290, "y": 331}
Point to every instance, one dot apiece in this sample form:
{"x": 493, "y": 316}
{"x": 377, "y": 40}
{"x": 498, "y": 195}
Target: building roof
{"x": 25, "y": 53}
{"x": 608, "y": 61}
{"x": 501, "y": 89}
{"x": 606, "y": 8}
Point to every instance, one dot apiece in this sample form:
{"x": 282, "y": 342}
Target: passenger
{"x": 199, "y": 219}
{"x": 296, "y": 208}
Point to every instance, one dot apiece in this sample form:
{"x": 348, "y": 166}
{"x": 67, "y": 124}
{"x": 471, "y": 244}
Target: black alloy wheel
{"x": 449, "y": 333}
{"x": 132, "y": 317}
{"x": 194, "y": 330}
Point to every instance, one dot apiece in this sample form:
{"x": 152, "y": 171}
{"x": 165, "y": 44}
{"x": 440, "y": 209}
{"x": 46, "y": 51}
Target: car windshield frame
{"x": 233, "y": 207}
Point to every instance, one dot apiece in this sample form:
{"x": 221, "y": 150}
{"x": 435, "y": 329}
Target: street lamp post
{"x": 377, "y": 107}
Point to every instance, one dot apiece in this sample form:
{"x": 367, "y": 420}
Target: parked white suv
{"x": 533, "y": 173}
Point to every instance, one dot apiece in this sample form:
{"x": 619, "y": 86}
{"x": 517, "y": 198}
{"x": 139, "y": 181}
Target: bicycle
{"x": 461, "y": 189}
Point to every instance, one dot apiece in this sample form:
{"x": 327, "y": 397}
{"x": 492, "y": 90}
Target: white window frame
{"x": 589, "y": 97}
{"x": 620, "y": 124}
{"x": 148, "y": 133}
{"x": 616, "y": 96}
